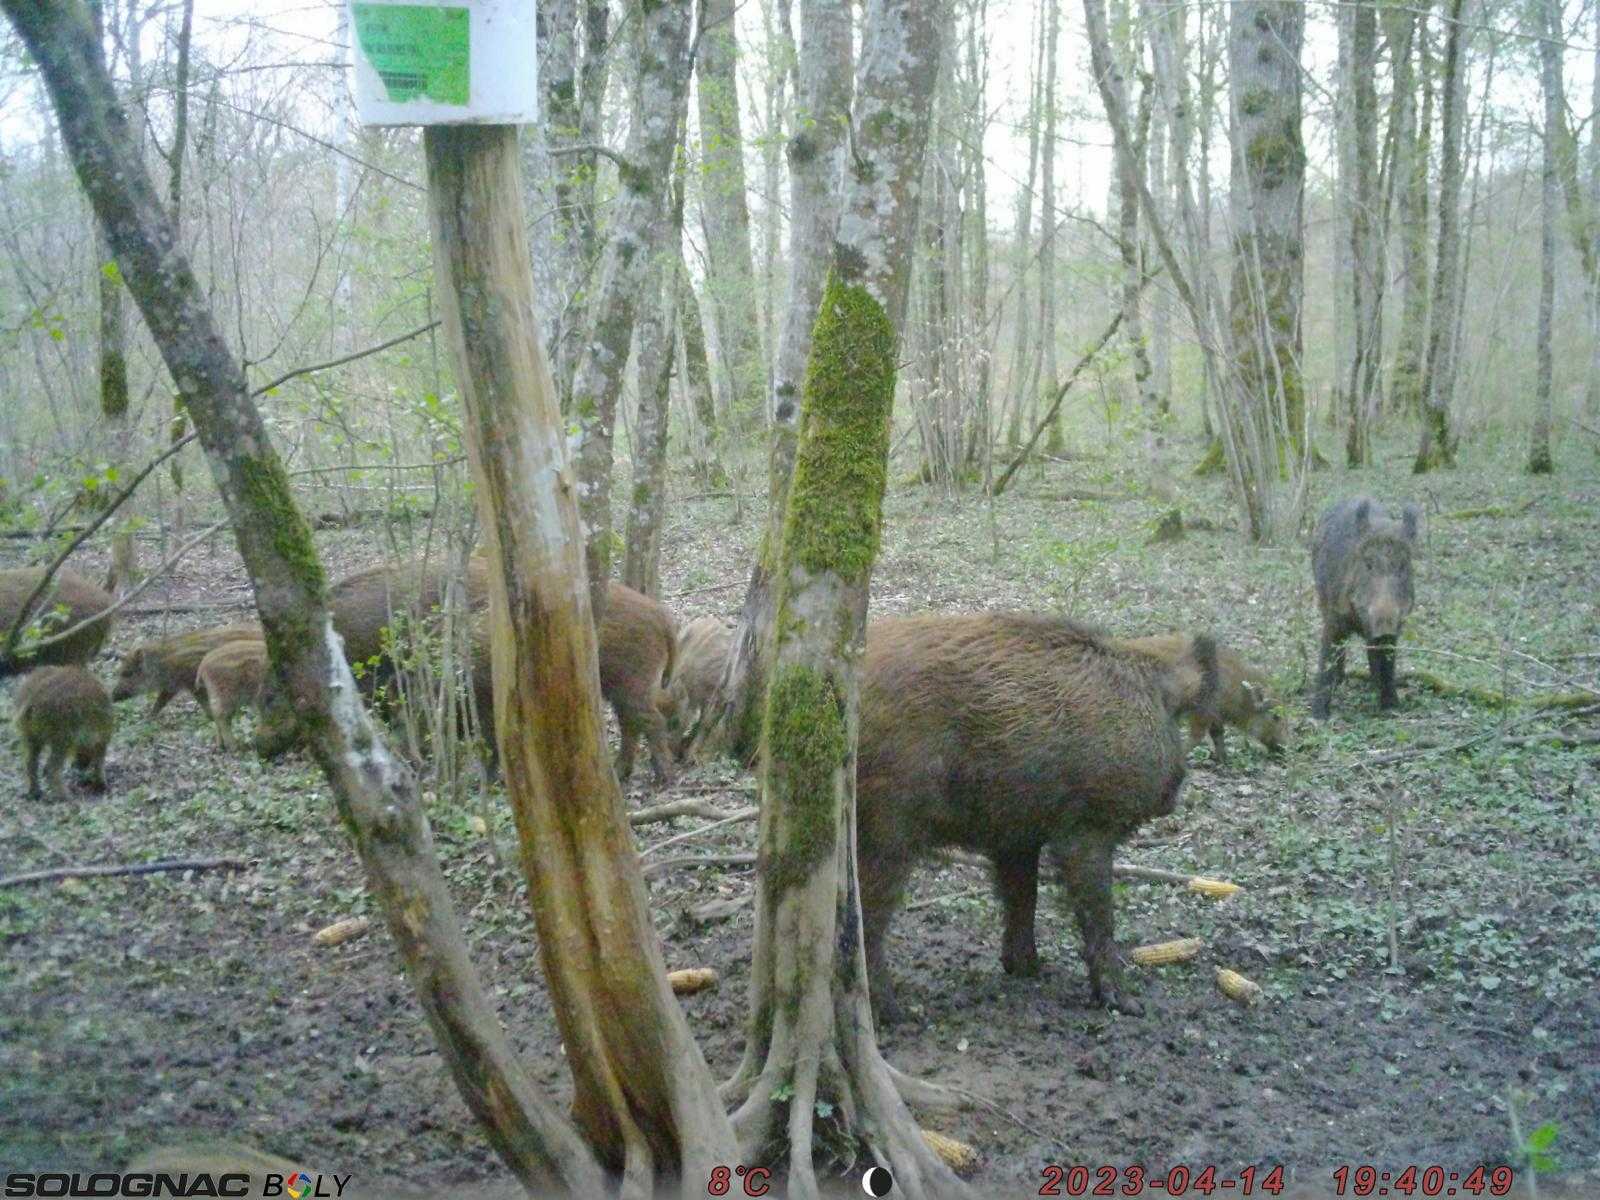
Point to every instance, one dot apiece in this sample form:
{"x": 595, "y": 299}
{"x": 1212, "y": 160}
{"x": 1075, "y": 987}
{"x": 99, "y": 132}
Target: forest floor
{"x": 1421, "y": 898}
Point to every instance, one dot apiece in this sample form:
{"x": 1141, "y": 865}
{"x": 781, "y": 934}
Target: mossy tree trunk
{"x": 812, "y": 1075}
{"x": 704, "y": 460}
{"x": 643, "y": 1096}
{"x": 658, "y": 94}
{"x": 816, "y": 160}
{"x": 731, "y": 276}
{"x": 375, "y": 793}
{"x": 1413, "y": 82}
{"x": 1267, "y": 190}
{"x": 1554, "y": 92}
{"x": 1437, "y": 445}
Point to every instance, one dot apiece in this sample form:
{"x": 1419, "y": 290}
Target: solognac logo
{"x": 297, "y": 1185}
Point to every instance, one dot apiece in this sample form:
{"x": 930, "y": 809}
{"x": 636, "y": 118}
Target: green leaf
{"x": 1543, "y": 1137}
{"x": 111, "y": 271}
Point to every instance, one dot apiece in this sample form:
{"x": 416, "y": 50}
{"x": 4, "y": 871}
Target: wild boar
{"x": 1004, "y": 733}
{"x": 1361, "y": 560}
{"x": 167, "y": 666}
{"x": 231, "y": 676}
{"x": 69, "y": 599}
{"x": 701, "y": 662}
{"x": 64, "y": 710}
{"x": 1243, "y": 697}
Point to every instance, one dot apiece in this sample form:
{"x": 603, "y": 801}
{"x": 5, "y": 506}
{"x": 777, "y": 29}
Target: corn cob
{"x": 691, "y": 980}
{"x": 958, "y": 1156}
{"x": 1217, "y": 889}
{"x": 1159, "y": 953}
{"x": 1237, "y": 988}
{"x": 341, "y": 931}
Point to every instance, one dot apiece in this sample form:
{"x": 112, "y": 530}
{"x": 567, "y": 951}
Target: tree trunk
{"x": 1591, "y": 382}
{"x": 1554, "y": 90}
{"x": 375, "y": 793}
{"x": 1366, "y": 240}
{"x": 812, "y": 1073}
{"x": 1408, "y": 384}
{"x": 1054, "y": 441}
{"x": 1021, "y": 385}
{"x": 816, "y": 159}
{"x": 643, "y": 1095}
{"x": 655, "y": 338}
{"x": 658, "y": 93}
{"x": 1437, "y": 447}
{"x": 1344, "y": 206}
{"x": 731, "y": 276}
{"x": 1267, "y": 188}
{"x": 704, "y": 462}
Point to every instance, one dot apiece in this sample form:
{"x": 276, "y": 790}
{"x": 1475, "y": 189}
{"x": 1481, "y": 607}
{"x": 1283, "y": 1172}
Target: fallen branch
{"x": 743, "y": 814}
{"x": 1583, "y": 737}
{"x": 1121, "y": 870}
{"x": 930, "y": 901}
{"x": 744, "y": 858}
{"x": 149, "y": 868}
{"x": 1491, "y": 510}
{"x": 677, "y": 808}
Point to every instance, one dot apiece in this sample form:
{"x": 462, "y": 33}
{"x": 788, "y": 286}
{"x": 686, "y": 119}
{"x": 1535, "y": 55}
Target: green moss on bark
{"x": 841, "y": 468}
{"x": 264, "y": 492}
{"x": 807, "y": 744}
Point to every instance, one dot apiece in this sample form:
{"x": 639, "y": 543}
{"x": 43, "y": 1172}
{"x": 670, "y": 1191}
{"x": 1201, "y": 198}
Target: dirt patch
{"x": 139, "y": 1011}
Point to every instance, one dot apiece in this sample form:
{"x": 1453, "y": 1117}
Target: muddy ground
{"x": 136, "y": 1011}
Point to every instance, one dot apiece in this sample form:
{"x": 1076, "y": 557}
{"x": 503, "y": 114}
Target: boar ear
{"x": 1250, "y": 691}
{"x": 1411, "y": 522}
{"x": 1363, "y": 515}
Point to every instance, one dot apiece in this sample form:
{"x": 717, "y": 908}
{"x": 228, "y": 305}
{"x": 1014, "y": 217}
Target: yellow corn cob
{"x": 341, "y": 931}
{"x": 1159, "y": 953}
{"x": 1217, "y": 889}
{"x": 691, "y": 980}
{"x": 1236, "y": 987}
{"x": 958, "y": 1156}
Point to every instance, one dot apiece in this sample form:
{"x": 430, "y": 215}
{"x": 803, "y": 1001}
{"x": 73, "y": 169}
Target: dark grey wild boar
{"x": 1361, "y": 559}
{"x": 64, "y": 710}
{"x": 1004, "y": 733}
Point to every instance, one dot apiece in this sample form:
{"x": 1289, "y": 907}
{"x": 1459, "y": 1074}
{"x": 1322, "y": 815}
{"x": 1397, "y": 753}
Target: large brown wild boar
{"x": 1241, "y": 695}
{"x": 64, "y": 710}
{"x": 1004, "y": 733}
{"x": 167, "y": 666}
{"x": 701, "y": 662}
{"x": 69, "y": 599}
{"x": 231, "y": 676}
{"x": 1361, "y": 560}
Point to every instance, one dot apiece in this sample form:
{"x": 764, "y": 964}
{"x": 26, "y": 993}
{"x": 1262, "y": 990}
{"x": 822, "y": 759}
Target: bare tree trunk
{"x": 1022, "y": 358}
{"x": 704, "y": 462}
{"x": 655, "y": 337}
{"x": 375, "y": 793}
{"x": 1054, "y": 441}
{"x": 1437, "y": 447}
{"x": 1591, "y": 382}
{"x": 643, "y": 1094}
{"x": 1408, "y": 383}
{"x": 658, "y": 94}
{"x": 1367, "y": 256}
{"x": 812, "y": 1072}
{"x": 1344, "y": 205}
{"x": 1267, "y": 187}
{"x": 1554, "y": 90}
{"x": 1157, "y": 147}
{"x": 731, "y": 282}
{"x": 816, "y": 153}
{"x": 1207, "y": 55}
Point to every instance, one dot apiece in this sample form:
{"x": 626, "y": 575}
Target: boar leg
{"x": 1380, "y": 661}
{"x": 31, "y": 751}
{"x": 224, "y": 720}
{"x": 163, "y": 698}
{"x": 1219, "y": 745}
{"x": 1016, "y": 879}
{"x": 91, "y": 761}
{"x": 882, "y": 886}
{"x": 1330, "y": 669}
{"x": 1086, "y": 865}
{"x": 53, "y": 763}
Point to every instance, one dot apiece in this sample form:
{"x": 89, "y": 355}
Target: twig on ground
{"x": 743, "y": 858}
{"x": 149, "y": 868}
{"x": 930, "y": 901}
{"x": 676, "y": 808}
{"x": 743, "y": 814}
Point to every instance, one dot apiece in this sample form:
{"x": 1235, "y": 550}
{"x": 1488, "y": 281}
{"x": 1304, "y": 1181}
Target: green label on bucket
{"x": 419, "y": 51}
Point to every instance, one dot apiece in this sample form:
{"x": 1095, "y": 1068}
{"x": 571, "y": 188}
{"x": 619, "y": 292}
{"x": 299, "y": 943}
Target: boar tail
{"x": 1205, "y": 657}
